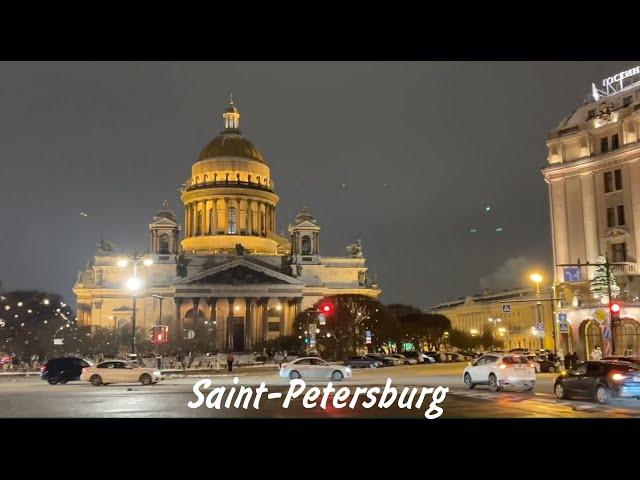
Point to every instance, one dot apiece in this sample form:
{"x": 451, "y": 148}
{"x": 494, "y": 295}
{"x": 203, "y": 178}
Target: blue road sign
{"x": 571, "y": 274}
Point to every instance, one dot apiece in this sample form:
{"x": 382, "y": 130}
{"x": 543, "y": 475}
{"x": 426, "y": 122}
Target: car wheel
{"x": 551, "y": 369}
{"x": 467, "y": 381}
{"x": 602, "y": 394}
{"x": 493, "y": 383}
{"x": 560, "y": 392}
{"x": 294, "y": 375}
{"x": 372, "y": 365}
{"x": 52, "y": 380}
{"x": 96, "y": 380}
{"x": 63, "y": 381}
{"x": 145, "y": 379}
{"x": 337, "y": 375}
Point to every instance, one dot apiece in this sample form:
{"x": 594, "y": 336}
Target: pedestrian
{"x": 628, "y": 352}
{"x": 574, "y": 360}
{"x": 284, "y": 355}
{"x": 230, "y": 359}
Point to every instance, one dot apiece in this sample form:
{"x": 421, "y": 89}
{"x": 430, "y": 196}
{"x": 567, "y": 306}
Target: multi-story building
{"x": 593, "y": 176}
{"x": 231, "y": 270}
{"x": 512, "y": 316}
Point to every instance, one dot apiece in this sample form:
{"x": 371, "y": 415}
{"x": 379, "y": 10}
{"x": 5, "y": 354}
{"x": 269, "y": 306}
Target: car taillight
{"x": 617, "y": 377}
{"x": 284, "y": 365}
{"x": 44, "y": 368}
{"x": 532, "y": 365}
{"x": 503, "y": 366}
{"x": 84, "y": 370}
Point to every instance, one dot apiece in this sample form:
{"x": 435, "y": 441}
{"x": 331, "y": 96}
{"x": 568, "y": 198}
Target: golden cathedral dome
{"x": 231, "y": 142}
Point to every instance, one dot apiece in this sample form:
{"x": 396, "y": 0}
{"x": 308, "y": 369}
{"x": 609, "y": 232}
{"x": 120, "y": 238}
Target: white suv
{"x": 499, "y": 370}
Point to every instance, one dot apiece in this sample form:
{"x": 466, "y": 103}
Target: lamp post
{"x": 134, "y": 284}
{"x": 160, "y": 298}
{"x": 537, "y": 278}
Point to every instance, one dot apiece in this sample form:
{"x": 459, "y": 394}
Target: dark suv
{"x": 63, "y": 370}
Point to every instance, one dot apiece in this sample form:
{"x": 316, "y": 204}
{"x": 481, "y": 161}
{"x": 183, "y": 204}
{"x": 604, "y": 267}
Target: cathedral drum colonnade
{"x": 231, "y": 272}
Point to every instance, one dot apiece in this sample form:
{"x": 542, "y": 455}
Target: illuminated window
{"x": 233, "y": 221}
{"x": 613, "y": 181}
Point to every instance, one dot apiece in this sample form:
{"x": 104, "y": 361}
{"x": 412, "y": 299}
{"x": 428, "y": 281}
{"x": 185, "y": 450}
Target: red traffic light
{"x": 615, "y": 307}
{"x": 326, "y": 308}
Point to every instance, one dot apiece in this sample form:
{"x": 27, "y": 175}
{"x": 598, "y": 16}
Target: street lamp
{"x": 134, "y": 284}
{"x": 537, "y": 278}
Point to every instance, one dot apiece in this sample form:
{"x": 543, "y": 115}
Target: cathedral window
{"x": 306, "y": 245}
{"x": 199, "y": 223}
{"x": 233, "y": 221}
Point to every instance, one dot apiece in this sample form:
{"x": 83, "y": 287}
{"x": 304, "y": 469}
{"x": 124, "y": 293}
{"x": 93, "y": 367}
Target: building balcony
{"x": 230, "y": 184}
{"x": 624, "y": 268}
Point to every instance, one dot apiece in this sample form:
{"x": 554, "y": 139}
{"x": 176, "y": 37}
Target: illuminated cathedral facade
{"x": 226, "y": 266}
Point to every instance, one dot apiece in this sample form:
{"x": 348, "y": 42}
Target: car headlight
{"x": 348, "y": 369}
{"x": 157, "y": 372}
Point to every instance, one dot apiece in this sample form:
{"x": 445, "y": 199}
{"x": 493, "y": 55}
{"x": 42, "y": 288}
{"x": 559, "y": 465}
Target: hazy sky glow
{"x": 421, "y": 148}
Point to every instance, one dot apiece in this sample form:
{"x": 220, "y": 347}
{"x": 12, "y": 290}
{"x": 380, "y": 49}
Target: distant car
{"x": 457, "y": 357}
{"x": 543, "y": 365}
{"x": 63, "y": 369}
{"x": 419, "y": 356}
{"x": 601, "y": 380}
{"x": 436, "y": 356}
{"x": 500, "y": 370}
{"x": 314, "y": 367}
{"x": 120, "y": 371}
{"x": 362, "y": 361}
{"x": 405, "y": 360}
{"x": 634, "y": 360}
{"x": 386, "y": 360}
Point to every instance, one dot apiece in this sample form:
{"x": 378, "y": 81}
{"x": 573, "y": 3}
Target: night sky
{"x": 421, "y": 149}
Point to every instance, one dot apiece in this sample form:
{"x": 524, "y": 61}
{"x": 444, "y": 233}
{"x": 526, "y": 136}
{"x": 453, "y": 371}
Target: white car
{"x": 314, "y": 367}
{"x": 499, "y": 370}
{"x": 405, "y": 360}
{"x": 120, "y": 371}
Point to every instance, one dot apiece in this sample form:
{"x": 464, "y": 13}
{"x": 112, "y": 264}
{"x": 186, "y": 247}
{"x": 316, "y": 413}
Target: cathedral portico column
{"x": 213, "y": 302}
{"x": 297, "y": 302}
{"x": 262, "y": 332}
{"x": 196, "y": 311}
{"x": 228, "y": 324}
{"x": 248, "y": 322}
{"x": 284, "y": 303}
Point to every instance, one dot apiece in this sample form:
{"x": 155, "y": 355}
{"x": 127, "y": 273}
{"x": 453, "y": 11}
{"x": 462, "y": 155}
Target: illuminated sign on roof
{"x": 616, "y": 83}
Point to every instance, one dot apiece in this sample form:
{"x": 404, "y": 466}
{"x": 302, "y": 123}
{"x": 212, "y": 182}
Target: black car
{"x": 600, "y": 380}
{"x": 63, "y": 370}
{"x": 546, "y": 366}
{"x": 363, "y": 361}
{"x": 634, "y": 360}
{"x": 437, "y": 357}
{"x": 386, "y": 361}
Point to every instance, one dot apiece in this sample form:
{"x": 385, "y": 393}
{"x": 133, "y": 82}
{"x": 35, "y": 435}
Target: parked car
{"x": 600, "y": 380}
{"x": 634, "y": 360}
{"x": 120, "y": 371}
{"x": 500, "y": 370}
{"x": 361, "y": 361}
{"x": 457, "y": 357}
{"x": 419, "y": 356}
{"x": 542, "y": 364}
{"x": 314, "y": 367}
{"x": 63, "y": 369}
{"x": 405, "y": 360}
{"x": 386, "y": 360}
{"x": 436, "y": 356}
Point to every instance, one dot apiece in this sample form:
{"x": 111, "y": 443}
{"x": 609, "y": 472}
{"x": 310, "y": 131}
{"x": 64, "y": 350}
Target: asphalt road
{"x": 33, "y": 398}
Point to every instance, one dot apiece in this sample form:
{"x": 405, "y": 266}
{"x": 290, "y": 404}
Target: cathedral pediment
{"x": 163, "y": 222}
{"x": 239, "y": 272}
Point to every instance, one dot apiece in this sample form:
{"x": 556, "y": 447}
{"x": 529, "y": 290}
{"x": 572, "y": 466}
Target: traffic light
{"x": 326, "y": 308}
{"x": 160, "y": 334}
{"x": 614, "y": 310}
